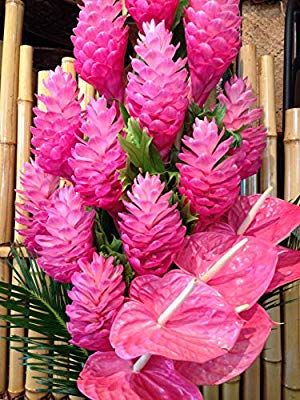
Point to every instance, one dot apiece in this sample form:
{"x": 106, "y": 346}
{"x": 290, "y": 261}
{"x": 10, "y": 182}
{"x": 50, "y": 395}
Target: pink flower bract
{"x": 38, "y": 188}
{"x": 56, "y": 129}
{"x": 157, "y": 91}
{"x": 209, "y": 182}
{"x": 151, "y": 229}
{"x": 97, "y": 161}
{"x": 96, "y": 297}
{"x": 67, "y": 238}
{"x": 100, "y": 44}
{"x": 212, "y": 39}
{"x": 146, "y": 10}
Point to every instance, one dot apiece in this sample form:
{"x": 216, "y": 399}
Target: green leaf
{"x": 189, "y": 219}
{"x": 179, "y": 12}
{"x": 125, "y": 114}
{"x": 142, "y": 154}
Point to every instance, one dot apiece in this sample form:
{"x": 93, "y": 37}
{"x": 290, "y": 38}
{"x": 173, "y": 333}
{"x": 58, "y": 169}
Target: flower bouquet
{"x": 148, "y": 272}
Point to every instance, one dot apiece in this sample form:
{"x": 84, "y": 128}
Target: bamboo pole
{"x": 211, "y": 392}
{"x": 272, "y": 355}
{"x": 231, "y": 389}
{"x": 291, "y": 378}
{"x": 32, "y": 386}
{"x": 247, "y": 68}
{"x": 67, "y": 64}
{"x": 25, "y": 100}
{"x": 1, "y": 47}
{"x": 86, "y": 93}
{"x": 14, "y": 10}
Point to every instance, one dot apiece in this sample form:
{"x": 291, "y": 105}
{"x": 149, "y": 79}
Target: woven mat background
{"x": 263, "y": 25}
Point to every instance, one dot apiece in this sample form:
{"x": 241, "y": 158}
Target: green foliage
{"x": 109, "y": 243}
{"x": 142, "y": 154}
{"x": 179, "y": 13}
{"x": 37, "y": 303}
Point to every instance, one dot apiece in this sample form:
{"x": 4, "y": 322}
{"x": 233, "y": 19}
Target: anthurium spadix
{"x": 107, "y": 377}
{"x": 245, "y": 351}
{"x": 177, "y": 316}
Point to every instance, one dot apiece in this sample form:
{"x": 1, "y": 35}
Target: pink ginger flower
{"x": 38, "y": 189}
{"x": 151, "y": 229}
{"x": 213, "y": 42}
{"x": 68, "y": 235}
{"x": 96, "y": 162}
{"x": 96, "y": 297}
{"x": 250, "y": 154}
{"x": 157, "y": 91}
{"x": 210, "y": 182}
{"x": 158, "y": 10}
{"x": 100, "y": 44}
{"x": 57, "y": 128}
{"x": 239, "y": 100}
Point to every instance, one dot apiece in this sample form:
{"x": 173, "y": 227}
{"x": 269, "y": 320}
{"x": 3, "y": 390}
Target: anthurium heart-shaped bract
{"x": 245, "y": 351}
{"x": 288, "y": 268}
{"x": 274, "y": 221}
{"x": 107, "y": 377}
{"x": 203, "y": 327}
{"x": 244, "y": 278}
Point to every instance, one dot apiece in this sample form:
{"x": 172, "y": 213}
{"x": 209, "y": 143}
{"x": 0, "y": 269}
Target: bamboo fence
{"x": 274, "y": 376}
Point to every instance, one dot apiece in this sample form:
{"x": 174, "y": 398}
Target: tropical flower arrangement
{"x": 132, "y": 209}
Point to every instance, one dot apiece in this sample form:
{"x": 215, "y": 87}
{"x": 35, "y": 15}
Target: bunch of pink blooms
{"x": 191, "y": 315}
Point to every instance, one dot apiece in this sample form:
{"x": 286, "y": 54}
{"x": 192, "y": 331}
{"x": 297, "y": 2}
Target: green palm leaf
{"x": 38, "y": 304}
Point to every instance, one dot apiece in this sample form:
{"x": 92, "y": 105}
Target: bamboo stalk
{"x": 251, "y": 382}
{"x": 231, "y": 389}
{"x": 292, "y": 309}
{"x": 14, "y": 10}
{"x": 211, "y": 392}
{"x": 32, "y": 386}
{"x": 272, "y": 355}
{"x": 25, "y": 100}
{"x": 86, "y": 92}
{"x": 67, "y": 64}
{"x": 247, "y": 68}
{"x": 1, "y": 47}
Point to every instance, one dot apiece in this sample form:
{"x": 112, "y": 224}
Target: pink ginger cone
{"x": 239, "y": 101}
{"x": 96, "y": 162}
{"x": 57, "y": 128}
{"x": 146, "y": 10}
{"x": 157, "y": 91}
{"x": 212, "y": 38}
{"x": 100, "y": 44}
{"x": 38, "y": 188}
{"x": 151, "y": 229}
{"x": 210, "y": 182}
{"x": 96, "y": 297}
{"x": 68, "y": 236}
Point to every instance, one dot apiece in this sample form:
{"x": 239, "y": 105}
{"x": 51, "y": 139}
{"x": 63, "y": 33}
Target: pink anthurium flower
{"x": 245, "y": 351}
{"x": 272, "y": 221}
{"x": 107, "y": 377}
{"x": 244, "y": 278}
{"x": 203, "y": 326}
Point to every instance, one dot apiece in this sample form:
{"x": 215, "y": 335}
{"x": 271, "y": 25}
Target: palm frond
{"x": 38, "y": 304}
